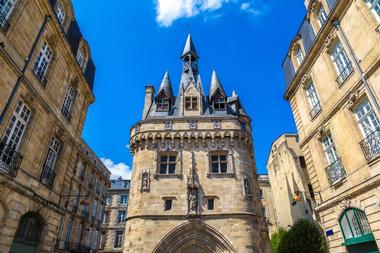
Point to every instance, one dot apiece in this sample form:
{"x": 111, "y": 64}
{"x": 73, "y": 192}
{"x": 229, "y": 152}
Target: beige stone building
{"x": 268, "y": 210}
{"x": 288, "y": 178}
{"x": 194, "y": 176}
{"x": 333, "y": 86}
{"x": 112, "y": 234}
{"x": 52, "y": 186}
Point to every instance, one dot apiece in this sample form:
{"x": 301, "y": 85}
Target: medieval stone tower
{"x": 194, "y": 183}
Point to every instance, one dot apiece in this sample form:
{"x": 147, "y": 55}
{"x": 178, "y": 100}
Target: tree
{"x": 303, "y": 237}
{"x": 276, "y": 239}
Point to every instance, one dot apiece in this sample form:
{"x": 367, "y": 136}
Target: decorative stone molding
{"x": 305, "y": 80}
{"x": 247, "y": 188}
{"x": 345, "y": 203}
{"x": 330, "y": 39}
{"x": 169, "y": 125}
{"x": 193, "y": 124}
{"x": 217, "y": 124}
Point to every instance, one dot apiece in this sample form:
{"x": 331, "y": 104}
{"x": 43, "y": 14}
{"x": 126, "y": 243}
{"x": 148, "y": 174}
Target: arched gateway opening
{"x": 194, "y": 237}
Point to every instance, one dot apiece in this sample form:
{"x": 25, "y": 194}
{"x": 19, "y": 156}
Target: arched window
{"x": 60, "y": 12}
{"x": 356, "y": 231}
{"x": 29, "y": 228}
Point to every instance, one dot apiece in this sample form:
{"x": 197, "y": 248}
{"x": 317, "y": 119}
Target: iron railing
{"x": 371, "y": 145}
{"x": 48, "y": 176}
{"x": 335, "y": 172}
{"x": 4, "y": 24}
{"x": 316, "y": 109}
{"x": 10, "y": 159}
{"x": 344, "y": 74}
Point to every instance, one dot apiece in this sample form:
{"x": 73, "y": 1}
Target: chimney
{"x": 149, "y": 93}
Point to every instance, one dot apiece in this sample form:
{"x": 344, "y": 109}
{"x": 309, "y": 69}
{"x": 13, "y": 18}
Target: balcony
{"x": 315, "y": 111}
{"x": 48, "y": 176}
{"x": 344, "y": 74}
{"x": 335, "y": 172}
{"x": 10, "y": 160}
{"x": 371, "y": 145}
{"x": 4, "y": 24}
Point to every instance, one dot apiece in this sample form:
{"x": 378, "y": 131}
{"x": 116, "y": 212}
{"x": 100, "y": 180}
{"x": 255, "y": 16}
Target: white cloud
{"x": 117, "y": 169}
{"x": 255, "y": 10}
{"x": 170, "y": 10}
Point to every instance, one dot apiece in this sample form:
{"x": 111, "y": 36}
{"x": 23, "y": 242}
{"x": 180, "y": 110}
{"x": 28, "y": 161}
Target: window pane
{"x": 214, "y": 168}
{"x": 214, "y": 158}
{"x": 223, "y": 158}
{"x": 172, "y": 169}
{"x": 223, "y": 167}
{"x": 163, "y": 168}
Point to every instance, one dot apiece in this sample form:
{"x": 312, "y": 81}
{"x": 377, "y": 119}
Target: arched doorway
{"x": 194, "y": 237}
{"x": 28, "y": 234}
{"x": 357, "y": 233}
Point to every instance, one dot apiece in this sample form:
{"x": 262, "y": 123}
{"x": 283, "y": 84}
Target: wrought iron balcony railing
{"x": 344, "y": 74}
{"x": 10, "y": 159}
{"x": 4, "y": 24}
{"x": 371, "y": 145}
{"x": 316, "y": 109}
{"x": 48, "y": 176}
{"x": 335, "y": 172}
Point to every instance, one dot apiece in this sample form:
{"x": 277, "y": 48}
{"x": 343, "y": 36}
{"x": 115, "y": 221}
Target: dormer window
{"x": 219, "y": 103}
{"x": 191, "y": 103}
{"x": 60, "y": 12}
{"x": 163, "y": 104}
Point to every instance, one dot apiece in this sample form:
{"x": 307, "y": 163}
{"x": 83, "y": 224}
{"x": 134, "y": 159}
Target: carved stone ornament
{"x": 305, "y": 80}
{"x": 168, "y": 125}
{"x": 145, "y": 181}
{"x": 137, "y": 129}
{"x": 217, "y": 124}
{"x": 330, "y": 39}
{"x": 193, "y": 124}
{"x": 321, "y": 132}
{"x": 247, "y": 187}
{"x": 193, "y": 191}
{"x": 58, "y": 132}
{"x": 52, "y": 40}
{"x": 345, "y": 203}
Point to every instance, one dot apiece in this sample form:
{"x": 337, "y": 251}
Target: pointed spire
{"x": 199, "y": 84}
{"x": 189, "y": 47}
{"x": 215, "y": 85}
{"x": 166, "y": 86}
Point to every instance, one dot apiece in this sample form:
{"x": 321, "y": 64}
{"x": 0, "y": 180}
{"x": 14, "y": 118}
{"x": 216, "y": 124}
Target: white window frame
{"x": 17, "y": 125}
{"x": 330, "y": 149}
{"x": 374, "y": 6}
{"x": 119, "y": 235}
{"x": 123, "y": 199}
{"x": 299, "y": 55}
{"x": 68, "y": 102}
{"x": 6, "y": 10}
{"x": 60, "y": 12}
{"x": 321, "y": 15}
{"x": 43, "y": 61}
{"x": 340, "y": 59}
{"x": 121, "y": 214}
{"x": 366, "y": 118}
{"x": 311, "y": 93}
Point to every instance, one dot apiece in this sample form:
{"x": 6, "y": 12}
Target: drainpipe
{"x": 22, "y": 76}
{"x": 367, "y": 85}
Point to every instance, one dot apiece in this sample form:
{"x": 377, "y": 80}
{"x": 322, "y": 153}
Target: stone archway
{"x": 194, "y": 237}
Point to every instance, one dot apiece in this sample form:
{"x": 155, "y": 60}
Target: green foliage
{"x": 303, "y": 237}
{"x": 276, "y": 239}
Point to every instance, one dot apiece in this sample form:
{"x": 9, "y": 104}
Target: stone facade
{"x": 333, "y": 87}
{"x": 267, "y": 201}
{"x": 45, "y": 90}
{"x": 194, "y": 184}
{"x": 288, "y": 178}
{"x": 112, "y": 234}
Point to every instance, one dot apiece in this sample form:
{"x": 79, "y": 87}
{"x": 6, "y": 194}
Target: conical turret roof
{"x": 189, "y": 47}
{"x": 166, "y": 86}
{"x": 215, "y": 85}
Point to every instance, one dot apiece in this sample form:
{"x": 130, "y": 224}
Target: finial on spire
{"x": 189, "y": 47}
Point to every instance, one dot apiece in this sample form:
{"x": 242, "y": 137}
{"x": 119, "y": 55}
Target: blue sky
{"x": 133, "y": 42}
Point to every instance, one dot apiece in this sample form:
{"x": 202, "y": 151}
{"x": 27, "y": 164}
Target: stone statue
{"x": 145, "y": 184}
{"x": 193, "y": 191}
{"x": 247, "y": 187}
